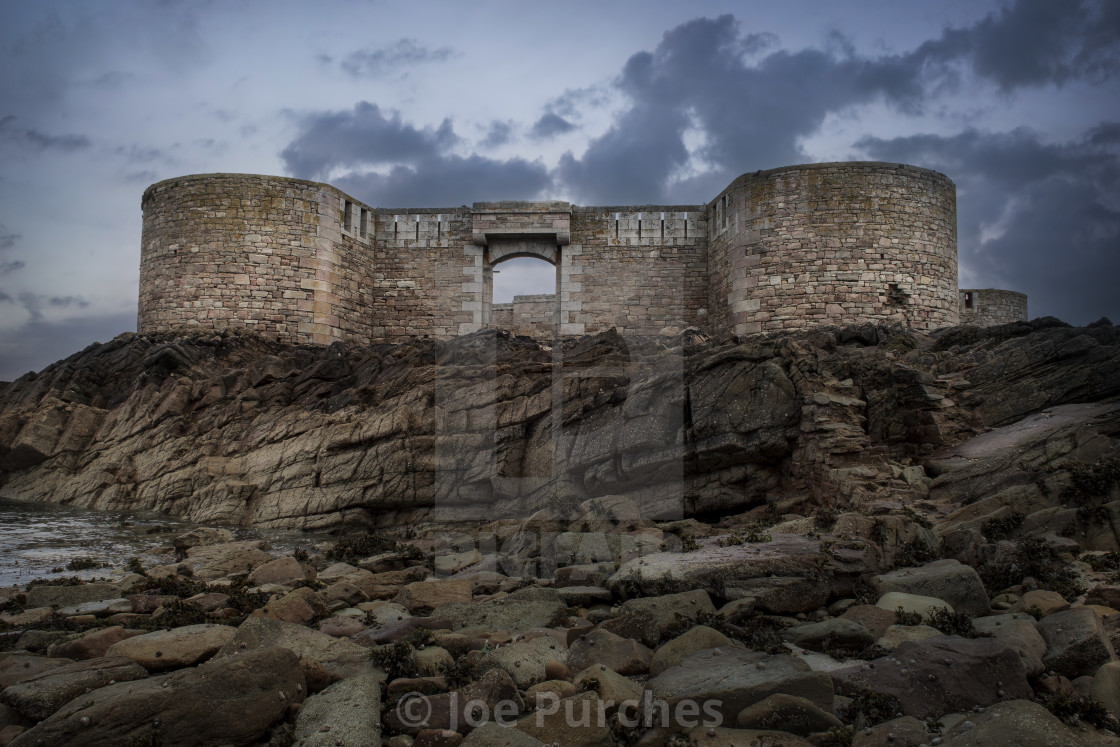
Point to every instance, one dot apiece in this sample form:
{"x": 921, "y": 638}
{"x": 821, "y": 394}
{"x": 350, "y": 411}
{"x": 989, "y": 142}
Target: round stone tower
{"x": 834, "y": 243}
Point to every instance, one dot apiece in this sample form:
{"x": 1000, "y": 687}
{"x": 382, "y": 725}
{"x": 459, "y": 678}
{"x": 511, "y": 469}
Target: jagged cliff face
{"x": 232, "y": 428}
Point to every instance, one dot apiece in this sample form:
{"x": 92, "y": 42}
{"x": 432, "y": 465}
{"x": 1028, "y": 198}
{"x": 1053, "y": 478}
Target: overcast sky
{"x": 445, "y": 103}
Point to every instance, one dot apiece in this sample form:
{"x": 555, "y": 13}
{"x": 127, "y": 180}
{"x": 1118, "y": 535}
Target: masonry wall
{"x": 640, "y": 269}
{"x": 987, "y": 307}
{"x": 834, "y": 243}
{"x": 534, "y": 316}
{"x": 780, "y": 249}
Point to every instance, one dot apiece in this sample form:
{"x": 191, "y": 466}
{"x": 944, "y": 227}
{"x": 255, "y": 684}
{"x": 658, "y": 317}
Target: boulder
{"x": 913, "y": 603}
{"x": 524, "y": 661}
{"x": 1021, "y": 633}
{"x": 19, "y": 667}
{"x": 92, "y": 644}
{"x": 459, "y": 710}
{"x": 338, "y": 657}
{"x": 827, "y": 635}
{"x": 572, "y": 722}
{"x": 784, "y": 572}
{"x": 1106, "y": 687}
{"x": 950, "y": 580}
{"x": 1016, "y": 723}
{"x": 611, "y": 687}
{"x": 896, "y": 635}
{"x": 347, "y": 712}
{"x": 672, "y": 653}
{"x": 940, "y": 675}
{"x": 512, "y": 616}
{"x": 730, "y": 680}
{"x": 874, "y": 618}
{"x": 279, "y": 571}
{"x": 201, "y": 536}
{"x": 905, "y": 731}
{"x": 492, "y": 734}
{"x": 300, "y": 606}
{"x": 225, "y": 701}
{"x": 1045, "y": 601}
{"x": 786, "y": 713}
{"x": 1076, "y": 643}
{"x": 178, "y": 647}
{"x": 722, "y": 736}
{"x": 40, "y": 696}
{"x": 623, "y": 655}
{"x": 421, "y": 597}
{"x": 649, "y": 619}
{"x": 67, "y": 596}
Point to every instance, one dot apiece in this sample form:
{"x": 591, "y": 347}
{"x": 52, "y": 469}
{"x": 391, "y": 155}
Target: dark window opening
{"x": 968, "y": 302}
{"x": 347, "y": 216}
{"x": 364, "y": 226}
{"x": 639, "y": 226}
{"x": 896, "y": 296}
{"x": 417, "y": 227}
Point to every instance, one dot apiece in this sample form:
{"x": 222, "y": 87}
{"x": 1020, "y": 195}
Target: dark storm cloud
{"x": 364, "y": 135}
{"x": 394, "y": 163}
{"x": 755, "y": 109}
{"x": 7, "y": 268}
{"x": 8, "y": 240}
{"x": 550, "y": 125}
{"x": 12, "y": 132}
{"x": 24, "y": 349}
{"x": 401, "y": 55}
{"x": 1034, "y": 216}
{"x": 498, "y": 134}
{"x": 1034, "y": 42}
{"x": 446, "y": 181}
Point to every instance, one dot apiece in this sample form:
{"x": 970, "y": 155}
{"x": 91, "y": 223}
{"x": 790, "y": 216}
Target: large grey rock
{"x": 459, "y": 710}
{"x": 40, "y": 696}
{"x": 672, "y": 653}
{"x": 623, "y": 655}
{"x": 1106, "y": 687}
{"x": 730, "y": 680}
{"x": 178, "y": 647}
{"x": 777, "y": 572}
{"x": 567, "y": 724}
{"x": 492, "y": 734}
{"x": 226, "y": 701}
{"x": 1076, "y": 643}
{"x": 1021, "y": 633}
{"x": 649, "y": 619}
{"x": 511, "y": 616}
{"x": 834, "y": 634}
{"x": 956, "y": 583}
{"x": 1016, "y": 723}
{"x": 941, "y": 675}
{"x": 67, "y": 596}
{"x": 349, "y": 710}
{"x": 340, "y": 658}
{"x": 787, "y": 713}
{"x": 524, "y": 661}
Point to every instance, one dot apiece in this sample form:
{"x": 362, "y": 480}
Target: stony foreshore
{"x": 864, "y": 536}
{"x": 779, "y": 631}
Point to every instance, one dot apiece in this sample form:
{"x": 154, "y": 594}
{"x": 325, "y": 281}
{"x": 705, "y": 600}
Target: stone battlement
{"x": 301, "y": 261}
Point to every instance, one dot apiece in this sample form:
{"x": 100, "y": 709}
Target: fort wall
{"x": 987, "y": 307}
{"x": 786, "y": 248}
{"x": 834, "y": 243}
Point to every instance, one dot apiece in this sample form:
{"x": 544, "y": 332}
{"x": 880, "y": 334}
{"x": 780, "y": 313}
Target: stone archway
{"x": 536, "y": 315}
{"x": 505, "y": 230}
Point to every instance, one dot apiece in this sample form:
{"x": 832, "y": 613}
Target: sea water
{"x": 39, "y": 540}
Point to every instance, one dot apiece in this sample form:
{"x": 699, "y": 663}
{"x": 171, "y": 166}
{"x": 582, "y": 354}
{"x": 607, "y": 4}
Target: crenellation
{"x": 782, "y": 249}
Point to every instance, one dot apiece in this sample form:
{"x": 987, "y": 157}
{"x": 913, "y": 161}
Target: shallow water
{"x": 38, "y": 540}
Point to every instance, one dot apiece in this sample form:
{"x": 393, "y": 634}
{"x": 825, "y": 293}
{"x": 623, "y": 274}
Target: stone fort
{"x": 787, "y": 248}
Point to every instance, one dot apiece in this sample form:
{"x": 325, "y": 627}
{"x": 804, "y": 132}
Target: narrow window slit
{"x": 347, "y": 215}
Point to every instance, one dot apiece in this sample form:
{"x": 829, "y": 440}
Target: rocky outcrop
{"x": 233, "y": 429}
